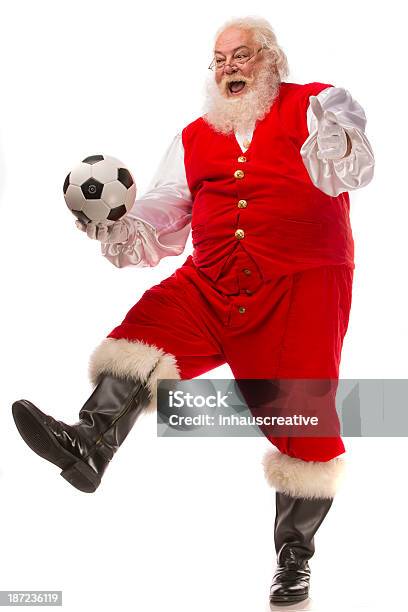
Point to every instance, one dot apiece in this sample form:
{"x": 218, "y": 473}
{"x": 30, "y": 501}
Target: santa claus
{"x": 262, "y": 180}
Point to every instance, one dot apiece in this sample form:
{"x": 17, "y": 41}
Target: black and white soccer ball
{"x": 99, "y": 189}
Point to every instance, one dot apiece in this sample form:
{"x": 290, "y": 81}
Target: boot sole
{"x": 34, "y": 431}
{"x": 287, "y": 601}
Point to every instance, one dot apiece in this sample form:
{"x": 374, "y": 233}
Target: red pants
{"x": 289, "y": 327}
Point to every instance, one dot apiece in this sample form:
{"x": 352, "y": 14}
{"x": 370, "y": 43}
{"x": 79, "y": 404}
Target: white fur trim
{"x": 298, "y": 478}
{"x": 133, "y": 359}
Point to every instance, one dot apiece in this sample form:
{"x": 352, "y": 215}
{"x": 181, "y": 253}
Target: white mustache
{"x": 231, "y": 78}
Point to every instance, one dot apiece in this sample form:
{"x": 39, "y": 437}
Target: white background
{"x": 179, "y": 524}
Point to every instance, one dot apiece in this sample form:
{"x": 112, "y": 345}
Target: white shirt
{"x": 160, "y": 221}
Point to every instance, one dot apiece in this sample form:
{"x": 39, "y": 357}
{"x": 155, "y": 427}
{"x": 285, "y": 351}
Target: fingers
{"x": 332, "y": 147}
{"x": 102, "y": 233}
{"x": 316, "y": 107}
{"x": 91, "y": 230}
{"x": 119, "y": 232}
{"x": 321, "y": 115}
{"x": 330, "y": 129}
{"x": 115, "y": 233}
{"x": 326, "y": 154}
{"x": 80, "y": 225}
{"x": 331, "y": 138}
{"x": 95, "y": 231}
{"x": 330, "y": 117}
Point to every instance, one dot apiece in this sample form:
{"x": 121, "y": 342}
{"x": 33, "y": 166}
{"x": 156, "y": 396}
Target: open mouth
{"x": 235, "y": 87}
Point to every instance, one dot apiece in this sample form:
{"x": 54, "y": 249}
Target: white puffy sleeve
{"x": 159, "y": 222}
{"x": 356, "y": 169}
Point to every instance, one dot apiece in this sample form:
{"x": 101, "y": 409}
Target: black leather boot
{"x": 296, "y": 522}
{"x": 84, "y": 449}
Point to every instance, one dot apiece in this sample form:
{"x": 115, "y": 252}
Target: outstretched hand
{"x": 332, "y": 139}
{"x": 117, "y": 233}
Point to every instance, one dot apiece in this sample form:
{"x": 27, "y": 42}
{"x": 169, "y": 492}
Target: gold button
{"x": 239, "y": 234}
{"x": 239, "y": 174}
{"x": 246, "y": 271}
{"x": 248, "y": 291}
{"x": 242, "y": 309}
{"x": 242, "y": 158}
{"x": 242, "y": 204}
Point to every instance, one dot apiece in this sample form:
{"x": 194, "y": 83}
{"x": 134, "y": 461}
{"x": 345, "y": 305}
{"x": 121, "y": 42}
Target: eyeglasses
{"x": 240, "y": 58}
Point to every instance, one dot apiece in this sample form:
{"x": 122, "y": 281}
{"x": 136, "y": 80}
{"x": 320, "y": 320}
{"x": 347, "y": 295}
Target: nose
{"x": 228, "y": 69}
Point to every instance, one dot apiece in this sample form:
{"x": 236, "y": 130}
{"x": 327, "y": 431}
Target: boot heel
{"x": 81, "y": 476}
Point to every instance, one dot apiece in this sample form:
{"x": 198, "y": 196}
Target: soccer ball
{"x": 99, "y": 189}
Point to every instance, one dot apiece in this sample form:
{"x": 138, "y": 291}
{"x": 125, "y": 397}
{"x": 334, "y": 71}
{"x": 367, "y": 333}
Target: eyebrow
{"x": 233, "y": 51}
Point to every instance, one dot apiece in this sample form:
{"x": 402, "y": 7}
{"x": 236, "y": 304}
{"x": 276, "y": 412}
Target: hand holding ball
{"x": 116, "y": 233}
{"x": 100, "y": 190}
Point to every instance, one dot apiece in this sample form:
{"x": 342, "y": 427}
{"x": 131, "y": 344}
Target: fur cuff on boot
{"x": 128, "y": 359}
{"x": 298, "y": 478}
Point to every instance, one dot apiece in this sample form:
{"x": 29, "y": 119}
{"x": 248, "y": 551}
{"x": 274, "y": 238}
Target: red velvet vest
{"x": 287, "y": 224}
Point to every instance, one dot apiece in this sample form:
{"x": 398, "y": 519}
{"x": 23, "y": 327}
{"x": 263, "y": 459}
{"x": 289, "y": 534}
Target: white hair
{"x": 265, "y": 36}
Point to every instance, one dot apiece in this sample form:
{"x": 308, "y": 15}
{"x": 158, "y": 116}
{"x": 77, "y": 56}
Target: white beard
{"x": 228, "y": 115}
